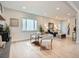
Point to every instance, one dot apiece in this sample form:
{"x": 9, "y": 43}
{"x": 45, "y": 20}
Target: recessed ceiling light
{"x": 57, "y": 8}
{"x": 24, "y": 7}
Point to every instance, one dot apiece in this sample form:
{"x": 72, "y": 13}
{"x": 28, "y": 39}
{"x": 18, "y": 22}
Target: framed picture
{"x": 14, "y": 22}
{"x": 51, "y": 26}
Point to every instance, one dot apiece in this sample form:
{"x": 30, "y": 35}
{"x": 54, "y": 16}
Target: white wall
{"x": 72, "y": 25}
{"x": 77, "y": 28}
{"x": 16, "y": 32}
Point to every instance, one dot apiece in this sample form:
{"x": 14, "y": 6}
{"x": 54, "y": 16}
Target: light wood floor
{"x": 61, "y": 48}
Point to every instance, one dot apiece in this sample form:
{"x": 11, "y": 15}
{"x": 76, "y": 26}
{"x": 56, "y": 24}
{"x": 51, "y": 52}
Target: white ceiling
{"x": 43, "y": 8}
{"x": 76, "y": 3}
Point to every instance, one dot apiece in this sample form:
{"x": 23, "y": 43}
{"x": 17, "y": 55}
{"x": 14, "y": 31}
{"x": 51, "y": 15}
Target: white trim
{"x": 73, "y": 6}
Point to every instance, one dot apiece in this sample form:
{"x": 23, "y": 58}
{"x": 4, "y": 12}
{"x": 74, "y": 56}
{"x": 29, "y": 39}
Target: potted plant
{"x": 7, "y": 33}
{"x": 41, "y": 30}
{"x": 7, "y": 29}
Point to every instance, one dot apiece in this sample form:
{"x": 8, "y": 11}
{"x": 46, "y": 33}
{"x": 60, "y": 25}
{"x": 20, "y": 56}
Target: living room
{"x": 42, "y": 20}
{"x": 31, "y": 17}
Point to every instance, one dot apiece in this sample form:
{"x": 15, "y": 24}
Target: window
{"x": 29, "y": 25}
{"x": 63, "y": 27}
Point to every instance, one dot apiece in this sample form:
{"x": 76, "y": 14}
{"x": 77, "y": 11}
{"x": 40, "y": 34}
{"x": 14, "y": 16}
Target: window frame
{"x": 26, "y": 25}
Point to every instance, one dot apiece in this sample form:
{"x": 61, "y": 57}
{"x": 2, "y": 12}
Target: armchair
{"x": 47, "y": 37}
